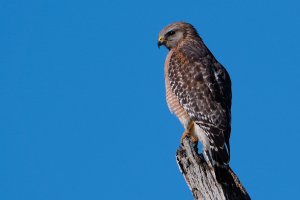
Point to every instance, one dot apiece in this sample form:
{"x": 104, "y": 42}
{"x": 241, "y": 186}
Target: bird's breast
{"x": 172, "y": 99}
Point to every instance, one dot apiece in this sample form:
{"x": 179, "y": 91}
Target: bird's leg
{"x": 189, "y": 132}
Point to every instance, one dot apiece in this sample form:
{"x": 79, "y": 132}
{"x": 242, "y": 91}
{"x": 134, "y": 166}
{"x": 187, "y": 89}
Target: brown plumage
{"x": 198, "y": 91}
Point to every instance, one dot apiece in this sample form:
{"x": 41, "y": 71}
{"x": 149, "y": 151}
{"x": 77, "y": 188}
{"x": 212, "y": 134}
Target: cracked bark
{"x": 200, "y": 177}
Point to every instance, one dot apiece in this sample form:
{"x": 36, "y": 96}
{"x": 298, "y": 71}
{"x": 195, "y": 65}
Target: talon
{"x": 188, "y": 132}
{"x": 184, "y": 135}
{"x": 194, "y": 139}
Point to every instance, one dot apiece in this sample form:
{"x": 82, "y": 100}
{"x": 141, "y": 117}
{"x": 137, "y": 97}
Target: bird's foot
{"x": 189, "y": 133}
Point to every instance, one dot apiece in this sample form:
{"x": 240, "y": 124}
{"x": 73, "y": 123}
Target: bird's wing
{"x": 204, "y": 96}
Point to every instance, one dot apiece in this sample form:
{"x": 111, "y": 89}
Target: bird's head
{"x": 174, "y": 33}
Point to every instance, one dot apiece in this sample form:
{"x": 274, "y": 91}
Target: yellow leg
{"x": 188, "y": 132}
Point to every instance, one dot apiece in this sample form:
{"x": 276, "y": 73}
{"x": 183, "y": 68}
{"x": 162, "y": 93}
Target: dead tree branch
{"x": 200, "y": 177}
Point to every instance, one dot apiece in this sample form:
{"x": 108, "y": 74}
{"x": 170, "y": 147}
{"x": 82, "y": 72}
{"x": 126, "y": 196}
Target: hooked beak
{"x": 161, "y": 41}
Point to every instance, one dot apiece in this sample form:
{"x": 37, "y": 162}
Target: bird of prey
{"x": 198, "y": 92}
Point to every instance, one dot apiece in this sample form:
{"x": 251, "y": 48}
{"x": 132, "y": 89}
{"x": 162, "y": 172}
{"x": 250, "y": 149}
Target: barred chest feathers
{"x": 172, "y": 100}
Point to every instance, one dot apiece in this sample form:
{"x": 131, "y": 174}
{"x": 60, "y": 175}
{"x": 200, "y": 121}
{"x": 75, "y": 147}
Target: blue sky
{"x": 83, "y": 112}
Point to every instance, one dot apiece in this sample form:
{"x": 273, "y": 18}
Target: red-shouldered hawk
{"x": 198, "y": 91}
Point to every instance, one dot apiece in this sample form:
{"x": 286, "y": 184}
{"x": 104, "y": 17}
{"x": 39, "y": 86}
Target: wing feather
{"x": 203, "y": 88}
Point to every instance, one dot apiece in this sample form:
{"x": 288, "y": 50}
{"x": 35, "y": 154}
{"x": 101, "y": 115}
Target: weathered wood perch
{"x": 200, "y": 179}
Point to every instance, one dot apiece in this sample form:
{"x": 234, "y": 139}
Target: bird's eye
{"x": 171, "y": 33}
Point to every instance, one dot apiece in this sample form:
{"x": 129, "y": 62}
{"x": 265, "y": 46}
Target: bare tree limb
{"x": 200, "y": 177}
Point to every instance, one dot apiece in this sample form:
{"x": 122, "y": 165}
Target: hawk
{"x": 198, "y": 92}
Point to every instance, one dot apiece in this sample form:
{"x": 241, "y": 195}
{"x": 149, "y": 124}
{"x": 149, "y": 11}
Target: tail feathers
{"x": 223, "y": 176}
{"x": 219, "y": 147}
{"x": 219, "y": 155}
{"x": 219, "y": 158}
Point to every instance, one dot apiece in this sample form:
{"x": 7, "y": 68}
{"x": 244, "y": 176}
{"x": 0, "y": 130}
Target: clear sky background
{"x": 82, "y": 101}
